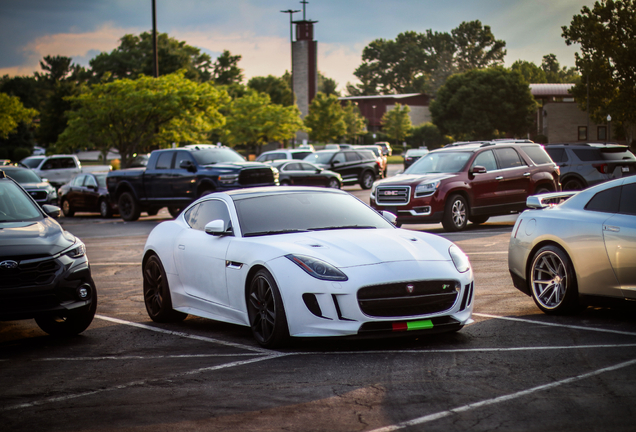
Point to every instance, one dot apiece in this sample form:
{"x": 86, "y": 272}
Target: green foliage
{"x": 607, "y": 62}
{"x": 421, "y": 62}
{"x": 327, "y": 85}
{"x": 133, "y": 57}
{"x": 226, "y": 70}
{"x": 484, "y": 104}
{"x": 277, "y": 88}
{"x": 555, "y": 73}
{"x": 397, "y": 123}
{"x": 20, "y": 153}
{"x": 428, "y": 135}
{"x": 253, "y": 120}
{"x": 354, "y": 121}
{"x": 135, "y": 116}
{"x": 325, "y": 119}
{"x": 531, "y": 73}
{"x": 12, "y": 112}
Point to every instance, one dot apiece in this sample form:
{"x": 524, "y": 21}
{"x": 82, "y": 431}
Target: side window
{"x": 628, "y": 201}
{"x": 300, "y": 155}
{"x": 90, "y": 181}
{"x": 353, "y": 156}
{"x": 67, "y": 163}
{"x": 209, "y": 211}
{"x": 487, "y": 160}
{"x": 181, "y": 156}
{"x": 51, "y": 164}
{"x": 605, "y": 201}
{"x": 292, "y": 167}
{"x": 338, "y": 157}
{"x": 508, "y": 158}
{"x": 78, "y": 181}
{"x": 307, "y": 167}
{"x": 165, "y": 160}
{"x": 190, "y": 214}
{"x": 557, "y": 154}
{"x": 537, "y": 154}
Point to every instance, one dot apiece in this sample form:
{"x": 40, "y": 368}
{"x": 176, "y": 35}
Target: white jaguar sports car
{"x": 303, "y": 262}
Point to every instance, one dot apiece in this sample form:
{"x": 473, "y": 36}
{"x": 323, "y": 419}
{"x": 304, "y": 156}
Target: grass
{"x": 395, "y": 159}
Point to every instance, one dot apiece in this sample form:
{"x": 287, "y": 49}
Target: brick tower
{"x": 304, "y": 66}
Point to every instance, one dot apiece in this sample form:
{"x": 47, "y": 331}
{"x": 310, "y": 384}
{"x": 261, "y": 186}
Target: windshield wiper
{"x": 342, "y": 227}
{"x": 261, "y": 233}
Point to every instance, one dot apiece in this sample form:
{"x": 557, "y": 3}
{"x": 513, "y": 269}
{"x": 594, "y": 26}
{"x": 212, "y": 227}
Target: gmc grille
{"x": 392, "y": 195}
{"x": 408, "y": 298}
{"x": 255, "y": 176}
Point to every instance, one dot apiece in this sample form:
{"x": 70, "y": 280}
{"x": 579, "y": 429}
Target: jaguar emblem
{"x": 9, "y": 265}
{"x": 410, "y": 288}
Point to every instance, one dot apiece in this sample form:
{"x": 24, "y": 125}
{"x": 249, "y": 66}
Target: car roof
{"x": 476, "y": 145}
{"x": 238, "y": 194}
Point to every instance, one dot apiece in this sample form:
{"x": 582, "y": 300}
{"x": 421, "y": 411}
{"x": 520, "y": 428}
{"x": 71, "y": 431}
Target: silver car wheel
{"x": 459, "y": 213}
{"x": 552, "y": 281}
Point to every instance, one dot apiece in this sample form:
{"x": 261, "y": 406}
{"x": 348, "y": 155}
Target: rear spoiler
{"x": 548, "y": 199}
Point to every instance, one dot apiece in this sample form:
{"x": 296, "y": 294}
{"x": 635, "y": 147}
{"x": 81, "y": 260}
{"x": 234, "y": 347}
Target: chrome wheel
{"x": 459, "y": 213}
{"x": 456, "y": 214}
{"x": 552, "y": 281}
{"x": 265, "y": 309}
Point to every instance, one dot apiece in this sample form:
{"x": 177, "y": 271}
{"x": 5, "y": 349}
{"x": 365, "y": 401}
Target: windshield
{"x": 320, "y": 157}
{"x": 440, "y": 162}
{"x": 24, "y": 176}
{"x": 15, "y": 205}
{"x": 32, "y": 162}
{"x": 101, "y": 179}
{"x": 214, "y": 156}
{"x": 305, "y": 211}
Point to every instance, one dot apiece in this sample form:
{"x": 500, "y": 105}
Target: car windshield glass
{"x": 101, "y": 179}
{"x": 320, "y": 157}
{"x": 305, "y": 211}
{"x": 214, "y": 156}
{"x": 15, "y": 205}
{"x": 33, "y": 162}
{"x": 24, "y": 176}
{"x": 440, "y": 162}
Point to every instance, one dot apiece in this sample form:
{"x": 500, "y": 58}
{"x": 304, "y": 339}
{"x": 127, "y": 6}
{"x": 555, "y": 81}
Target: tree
{"x": 484, "y": 104}
{"x": 421, "y": 62}
{"x": 226, "y": 70}
{"x": 607, "y": 62}
{"x": 277, "y": 88}
{"x": 253, "y": 120}
{"x": 531, "y": 73}
{"x": 12, "y": 112}
{"x": 327, "y": 85}
{"x": 325, "y": 119}
{"x": 397, "y": 123}
{"x": 133, "y": 57}
{"x": 31, "y": 94}
{"x": 427, "y": 134}
{"x": 354, "y": 121}
{"x": 555, "y": 73}
{"x": 134, "y": 116}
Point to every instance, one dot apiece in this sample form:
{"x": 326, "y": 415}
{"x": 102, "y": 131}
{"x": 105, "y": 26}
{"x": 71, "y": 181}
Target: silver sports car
{"x": 579, "y": 252}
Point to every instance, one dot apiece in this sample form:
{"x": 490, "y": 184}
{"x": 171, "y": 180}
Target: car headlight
{"x": 228, "y": 178}
{"x": 317, "y": 268}
{"x": 462, "y": 264}
{"x": 426, "y": 188}
{"x": 77, "y": 251}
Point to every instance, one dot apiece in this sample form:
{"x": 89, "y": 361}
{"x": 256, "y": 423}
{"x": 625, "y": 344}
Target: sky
{"x": 259, "y": 32}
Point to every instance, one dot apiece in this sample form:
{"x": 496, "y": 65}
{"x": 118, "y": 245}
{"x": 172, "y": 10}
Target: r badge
{"x": 410, "y": 288}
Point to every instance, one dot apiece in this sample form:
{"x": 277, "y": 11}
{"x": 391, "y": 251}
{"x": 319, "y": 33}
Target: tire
{"x": 74, "y": 322}
{"x": 541, "y": 190}
{"x": 366, "y": 180}
{"x": 67, "y": 210}
{"x": 478, "y": 220}
{"x": 333, "y": 183}
{"x": 455, "y": 214}
{"x": 553, "y": 281}
{"x": 174, "y": 211}
{"x": 152, "y": 211}
{"x": 157, "y": 293}
{"x": 573, "y": 184}
{"x": 104, "y": 209}
{"x": 284, "y": 183}
{"x": 266, "y": 312}
{"x": 128, "y": 207}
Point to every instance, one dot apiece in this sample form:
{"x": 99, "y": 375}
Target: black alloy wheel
{"x": 266, "y": 311}
{"x": 157, "y": 293}
{"x": 128, "y": 208}
{"x": 572, "y": 184}
{"x": 104, "y": 209}
{"x": 67, "y": 209}
{"x": 455, "y": 214}
{"x": 73, "y": 322}
{"x": 553, "y": 281}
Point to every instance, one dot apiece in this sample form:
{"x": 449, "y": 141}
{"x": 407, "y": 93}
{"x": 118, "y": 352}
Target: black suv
{"x": 354, "y": 166}
{"x": 587, "y": 164}
{"x": 44, "y": 271}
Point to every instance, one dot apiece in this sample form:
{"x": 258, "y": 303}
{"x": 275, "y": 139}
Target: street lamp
{"x": 373, "y": 118}
{"x": 609, "y": 126}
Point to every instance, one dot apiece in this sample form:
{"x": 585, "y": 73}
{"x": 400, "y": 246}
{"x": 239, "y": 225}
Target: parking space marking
{"x": 485, "y": 253}
{"x": 180, "y": 356}
{"x": 505, "y": 398}
{"x": 184, "y": 335}
{"x": 115, "y": 264}
{"x": 141, "y": 383}
{"x": 575, "y": 327}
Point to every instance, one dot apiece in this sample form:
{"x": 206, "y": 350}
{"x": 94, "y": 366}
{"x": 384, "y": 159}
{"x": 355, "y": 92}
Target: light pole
{"x": 609, "y": 126}
{"x": 155, "y": 55}
{"x": 373, "y": 118}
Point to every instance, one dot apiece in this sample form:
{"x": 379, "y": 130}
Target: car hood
{"x": 414, "y": 178}
{"x": 41, "y": 185}
{"x": 357, "y": 247}
{"x": 236, "y": 165}
{"x": 33, "y": 238}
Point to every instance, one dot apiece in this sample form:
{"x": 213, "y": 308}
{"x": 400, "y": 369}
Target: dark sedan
{"x": 40, "y": 190}
{"x": 88, "y": 193}
{"x": 300, "y": 173}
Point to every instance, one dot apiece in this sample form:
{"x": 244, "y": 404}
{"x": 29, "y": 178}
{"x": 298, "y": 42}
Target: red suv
{"x": 467, "y": 181}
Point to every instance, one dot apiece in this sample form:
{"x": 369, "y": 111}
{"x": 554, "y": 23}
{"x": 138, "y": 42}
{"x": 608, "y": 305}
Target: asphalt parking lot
{"x": 513, "y": 369}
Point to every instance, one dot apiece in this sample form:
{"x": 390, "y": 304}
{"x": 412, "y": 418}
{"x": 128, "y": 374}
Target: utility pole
{"x": 155, "y": 54}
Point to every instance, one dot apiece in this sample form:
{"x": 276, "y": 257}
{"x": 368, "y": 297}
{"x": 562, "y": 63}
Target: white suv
{"x": 297, "y": 154}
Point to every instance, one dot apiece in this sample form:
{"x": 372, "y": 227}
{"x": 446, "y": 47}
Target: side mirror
{"x": 389, "y": 216}
{"x": 217, "y": 228}
{"x": 318, "y": 170}
{"x": 335, "y": 162}
{"x": 187, "y": 165}
{"x": 478, "y": 169}
{"x": 51, "y": 210}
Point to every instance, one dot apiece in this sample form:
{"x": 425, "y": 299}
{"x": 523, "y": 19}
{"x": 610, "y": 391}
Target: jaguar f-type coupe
{"x": 303, "y": 262}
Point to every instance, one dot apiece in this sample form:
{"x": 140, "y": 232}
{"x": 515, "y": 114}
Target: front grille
{"x": 408, "y": 298}
{"x": 39, "y": 195}
{"x": 392, "y": 195}
{"x": 252, "y": 176}
{"x": 29, "y": 274}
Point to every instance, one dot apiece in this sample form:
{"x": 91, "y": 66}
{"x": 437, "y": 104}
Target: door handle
{"x": 182, "y": 247}
{"x": 611, "y": 228}
{"x": 526, "y": 174}
{"x": 499, "y": 178}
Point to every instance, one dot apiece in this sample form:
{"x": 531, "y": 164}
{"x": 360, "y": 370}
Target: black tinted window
{"x": 353, "y": 156}
{"x": 213, "y": 156}
{"x": 67, "y": 163}
{"x": 207, "y": 212}
{"x": 164, "y": 161}
{"x": 508, "y": 158}
{"x": 300, "y": 155}
{"x": 537, "y": 154}
{"x": 587, "y": 155}
{"x": 614, "y": 154}
{"x": 605, "y": 201}
{"x": 628, "y": 199}
{"x": 557, "y": 154}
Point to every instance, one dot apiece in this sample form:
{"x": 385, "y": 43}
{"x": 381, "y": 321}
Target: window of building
{"x": 582, "y": 133}
{"x": 601, "y": 133}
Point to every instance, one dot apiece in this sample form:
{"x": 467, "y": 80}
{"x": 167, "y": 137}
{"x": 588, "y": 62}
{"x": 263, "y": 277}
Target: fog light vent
{"x": 312, "y": 304}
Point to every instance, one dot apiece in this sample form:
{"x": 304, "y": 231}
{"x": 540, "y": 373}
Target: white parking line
{"x": 157, "y": 357}
{"x": 115, "y": 264}
{"x": 523, "y": 320}
{"x": 184, "y": 335}
{"x": 485, "y": 253}
{"x": 505, "y": 398}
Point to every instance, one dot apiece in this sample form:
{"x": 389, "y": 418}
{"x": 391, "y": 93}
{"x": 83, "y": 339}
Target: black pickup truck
{"x": 176, "y": 177}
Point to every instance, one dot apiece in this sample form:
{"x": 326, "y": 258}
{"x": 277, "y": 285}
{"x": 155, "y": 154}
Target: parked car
{"x": 86, "y": 193}
{"x": 386, "y": 147}
{"x": 413, "y": 155}
{"x": 467, "y": 181}
{"x": 5, "y": 162}
{"x": 383, "y": 160}
{"x": 44, "y": 271}
{"x": 303, "y": 262}
{"x": 580, "y": 252}
{"x": 298, "y": 154}
{"x": 60, "y": 169}
{"x": 301, "y": 173}
{"x": 583, "y": 165}
{"x": 174, "y": 178}
{"x": 354, "y": 166}
{"x": 40, "y": 190}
